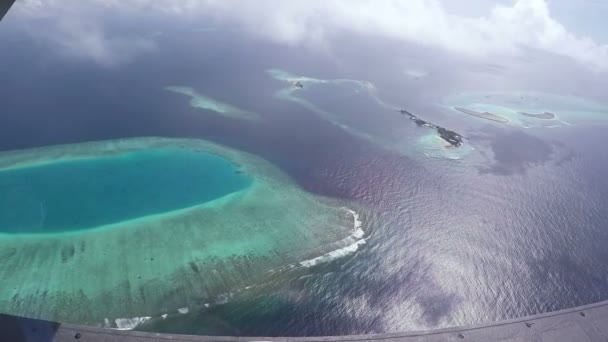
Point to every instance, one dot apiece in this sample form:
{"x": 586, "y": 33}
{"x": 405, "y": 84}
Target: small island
{"x": 483, "y": 115}
{"x": 453, "y": 138}
{"x": 542, "y": 116}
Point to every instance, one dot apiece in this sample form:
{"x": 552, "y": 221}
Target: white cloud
{"x": 506, "y": 29}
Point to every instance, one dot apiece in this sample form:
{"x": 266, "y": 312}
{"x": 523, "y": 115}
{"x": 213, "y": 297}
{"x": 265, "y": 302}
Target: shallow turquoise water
{"x": 87, "y": 193}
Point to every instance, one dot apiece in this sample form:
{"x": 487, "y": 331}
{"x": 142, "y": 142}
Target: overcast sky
{"x": 476, "y": 28}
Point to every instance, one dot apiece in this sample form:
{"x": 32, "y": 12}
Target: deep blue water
{"x": 87, "y": 193}
{"x": 521, "y": 231}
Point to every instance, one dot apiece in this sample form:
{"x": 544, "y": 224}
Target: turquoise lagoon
{"x": 85, "y": 193}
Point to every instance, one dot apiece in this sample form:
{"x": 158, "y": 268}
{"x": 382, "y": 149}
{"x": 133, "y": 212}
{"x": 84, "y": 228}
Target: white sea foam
{"x": 164, "y": 316}
{"x": 130, "y": 323}
{"x": 338, "y": 253}
{"x": 352, "y": 244}
{"x": 183, "y": 310}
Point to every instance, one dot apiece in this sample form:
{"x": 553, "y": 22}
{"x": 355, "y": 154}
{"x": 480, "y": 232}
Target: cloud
{"x": 79, "y": 33}
{"x": 89, "y": 41}
{"x": 510, "y": 29}
{"x": 507, "y": 29}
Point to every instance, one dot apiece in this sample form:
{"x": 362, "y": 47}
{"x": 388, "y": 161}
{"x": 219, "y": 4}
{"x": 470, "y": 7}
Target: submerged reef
{"x": 204, "y": 102}
{"x": 527, "y": 109}
{"x": 355, "y": 107}
{"x": 160, "y": 262}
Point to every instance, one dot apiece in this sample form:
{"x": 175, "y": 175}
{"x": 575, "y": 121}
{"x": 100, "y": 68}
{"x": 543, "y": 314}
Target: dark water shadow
{"x": 514, "y": 151}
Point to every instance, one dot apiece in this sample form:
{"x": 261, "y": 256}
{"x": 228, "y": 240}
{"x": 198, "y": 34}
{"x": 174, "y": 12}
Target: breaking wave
{"x": 351, "y": 243}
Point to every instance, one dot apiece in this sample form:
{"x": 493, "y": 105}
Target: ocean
{"x": 515, "y": 227}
